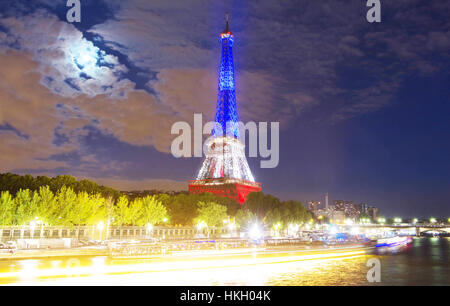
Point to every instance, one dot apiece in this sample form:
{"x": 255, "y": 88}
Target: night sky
{"x": 364, "y": 107}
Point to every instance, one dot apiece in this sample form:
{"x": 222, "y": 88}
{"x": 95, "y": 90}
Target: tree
{"x": 182, "y": 208}
{"x": 81, "y": 210}
{"x": 64, "y": 209}
{"x": 244, "y": 217}
{"x": 211, "y": 213}
{"x": 259, "y": 203}
{"x": 121, "y": 211}
{"x": 47, "y": 203}
{"x": 26, "y": 202}
{"x": 98, "y": 209}
{"x": 153, "y": 211}
{"x": 7, "y": 206}
{"x": 134, "y": 212}
{"x": 63, "y": 180}
{"x": 274, "y": 216}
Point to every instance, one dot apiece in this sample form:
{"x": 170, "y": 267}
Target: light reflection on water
{"x": 425, "y": 262}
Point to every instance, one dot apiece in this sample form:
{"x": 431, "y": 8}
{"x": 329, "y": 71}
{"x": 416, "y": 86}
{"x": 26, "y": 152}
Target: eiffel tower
{"x": 225, "y": 171}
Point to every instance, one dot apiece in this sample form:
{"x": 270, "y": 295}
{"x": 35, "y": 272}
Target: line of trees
{"x": 68, "y": 202}
{"x": 68, "y": 208}
{"x": 269, "y": 210}
{"x": 13, "y": 183}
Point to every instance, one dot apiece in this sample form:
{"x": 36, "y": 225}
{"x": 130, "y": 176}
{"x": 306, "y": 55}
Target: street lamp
{"x": 432, "y": 220}
{"x": 149, "y": 229}
{"x": 255, "y": 232}
{"x": 100, "y": 227}
{"x": 200, "y": 226}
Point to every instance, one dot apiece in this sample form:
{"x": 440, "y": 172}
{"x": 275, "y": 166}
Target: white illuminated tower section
{"x": 225, "y": 170}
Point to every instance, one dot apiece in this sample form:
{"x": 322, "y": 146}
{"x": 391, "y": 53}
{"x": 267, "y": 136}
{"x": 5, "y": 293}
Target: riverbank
{"x": 93, "y": 251}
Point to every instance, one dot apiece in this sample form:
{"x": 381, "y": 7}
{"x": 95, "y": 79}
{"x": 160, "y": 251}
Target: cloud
{"x": 290, "y": 57}
{"x": 28, "y": 107}
{"x": 69, "y": 64}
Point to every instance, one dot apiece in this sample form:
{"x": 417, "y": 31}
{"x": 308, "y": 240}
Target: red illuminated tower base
{"x": 237, "y": 190}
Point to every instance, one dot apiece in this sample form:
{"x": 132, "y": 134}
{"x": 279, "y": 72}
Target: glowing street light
{"x": 293, "y": 228}
{"x": 415, "y": 220}
{"x": 255, "y": 232}
{"x": 397, "y": 220}
{"x": 348, "y": 222}
{"x": 381, "y": 220}
{"x": 355, "y": 230}
{"x": 333, "y": 230}
{"x": 432, "y": 220}
{"x": 231, "y": 226}
{"x": 201, "y": 225}
{"x": 277, "y": 226}
{"x": 101, "y": 226}
{"x": 149, "y": 227}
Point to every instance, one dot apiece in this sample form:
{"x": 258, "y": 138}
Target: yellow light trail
{"x": 32, "y": 273}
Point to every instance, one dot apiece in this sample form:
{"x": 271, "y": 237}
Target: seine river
{"x": 426, "y": 261}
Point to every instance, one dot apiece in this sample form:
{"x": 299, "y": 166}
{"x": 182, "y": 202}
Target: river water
{"x": 426, "y": 261}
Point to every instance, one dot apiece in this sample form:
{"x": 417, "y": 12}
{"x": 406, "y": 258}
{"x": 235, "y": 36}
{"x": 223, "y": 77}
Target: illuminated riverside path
{"x": 425, "y": 261}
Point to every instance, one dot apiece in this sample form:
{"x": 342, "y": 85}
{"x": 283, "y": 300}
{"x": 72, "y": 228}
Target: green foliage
{"x": 182, "y": 208}
{"x": 120, "y": 211}
{"x": 153, "y": 211}
{"x": 260, "y": 204}
{"x": 47, "y": 202}
{"x": 271, "y": 210}
{"x": 211, "y": 213}
{"x": 244, "y": 218}
{"x": 65, "y": 201}
{"x": 13, "y": 183}
{"x": 7, "y": 208}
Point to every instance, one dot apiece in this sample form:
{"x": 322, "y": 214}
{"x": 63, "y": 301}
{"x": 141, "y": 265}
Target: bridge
{"x": 419, "y": 228}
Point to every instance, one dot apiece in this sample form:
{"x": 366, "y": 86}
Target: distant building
{"x": 341, "y": 210}
{"x": 362, "y": 208}
{"x": 349, "y": 209}
{"x": 373, "y": 212}
{"x": 313, "y": 205}
{"x": 336, "y": 216}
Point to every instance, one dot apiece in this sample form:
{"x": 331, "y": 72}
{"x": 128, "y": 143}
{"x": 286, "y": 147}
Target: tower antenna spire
{"x": 227, "y": 27}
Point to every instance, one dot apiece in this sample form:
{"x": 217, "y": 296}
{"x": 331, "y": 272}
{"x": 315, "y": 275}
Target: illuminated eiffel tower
{"x": 225, "y": 170}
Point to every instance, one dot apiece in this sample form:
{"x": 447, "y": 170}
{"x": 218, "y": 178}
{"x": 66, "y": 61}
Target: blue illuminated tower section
{"x": 225, "y": 171}
{"x": 226, "y": 113}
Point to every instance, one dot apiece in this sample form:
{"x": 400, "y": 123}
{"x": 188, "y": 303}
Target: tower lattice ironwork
{"x": 225, "y": 170}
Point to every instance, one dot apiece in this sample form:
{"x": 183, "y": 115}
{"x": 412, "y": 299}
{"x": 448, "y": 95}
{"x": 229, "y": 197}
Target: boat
{"x": 393, "y": 241}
